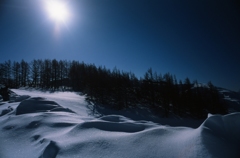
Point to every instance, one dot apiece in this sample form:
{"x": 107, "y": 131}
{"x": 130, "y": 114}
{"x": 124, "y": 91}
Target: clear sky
{"x": 188, "y": 38}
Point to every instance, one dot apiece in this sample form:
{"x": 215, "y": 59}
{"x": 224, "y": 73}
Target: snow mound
{"x": 38, "y": 104}
{"x": 115, "y": 123}
{"x": 221, "y": 135}
{"x": 6, "y": 111}
{"x": 224, "y": 125}
{"x": 113, "y": 118}
{"x": 50, "y": 151}
{"x": 19, "y": 98}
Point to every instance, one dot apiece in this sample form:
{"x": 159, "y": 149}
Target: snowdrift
{"x": 38, "y": 127}
{"x": 221, "y": 135}
{"x": 38, "y": 104}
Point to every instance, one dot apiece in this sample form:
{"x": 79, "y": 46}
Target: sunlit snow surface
{"x": 58, "y": 125}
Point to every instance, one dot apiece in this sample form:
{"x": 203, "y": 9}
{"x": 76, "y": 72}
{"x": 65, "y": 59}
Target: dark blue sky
{"x": 188, "y": 38}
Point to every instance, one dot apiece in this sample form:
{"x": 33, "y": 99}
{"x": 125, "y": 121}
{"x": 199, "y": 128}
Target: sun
{"x": 57, "y": 10}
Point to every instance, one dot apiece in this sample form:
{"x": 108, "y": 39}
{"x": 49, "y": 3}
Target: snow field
{"x": 58, "y": 125}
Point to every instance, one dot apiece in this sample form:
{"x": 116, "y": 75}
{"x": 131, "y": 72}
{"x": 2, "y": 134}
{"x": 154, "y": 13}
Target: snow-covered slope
{"x": 59, "y": 125}
{"x": 232, "y": 99}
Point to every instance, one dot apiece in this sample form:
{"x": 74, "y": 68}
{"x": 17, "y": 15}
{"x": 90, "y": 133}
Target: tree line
{"x": 115, "y": 88}
{"x": 37, "y": 73}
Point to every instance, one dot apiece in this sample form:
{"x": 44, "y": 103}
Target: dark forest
{"x": 116, "y": 89}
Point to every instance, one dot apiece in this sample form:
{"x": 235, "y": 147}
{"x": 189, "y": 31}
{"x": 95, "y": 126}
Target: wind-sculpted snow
{"x": 113, "y": 124}
{"x": 38, "y": 104}
{"x": 40, "y": 132}
{"x": 221, "y": 135}
{"x": 50, "y": 151}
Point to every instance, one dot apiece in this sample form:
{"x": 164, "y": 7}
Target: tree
{"x": 148, "y": 87}
{"x": 16, "y": 74}
{"x": 41, "y": 73}
{"x": 47, "y": 71}
{"x": 216, "y": 106}
{"x": 186, "y": 96}
{"x": 7, "y": 73}
{"x": 55, "y": 73}
{"x": 35, "y": 72}
{"x": 168, "y": 88}
{"x": 62, "y": 68}
{"x": 24, "y": 73}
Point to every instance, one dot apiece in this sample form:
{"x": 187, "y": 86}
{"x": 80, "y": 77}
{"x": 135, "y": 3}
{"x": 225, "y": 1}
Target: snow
{"x": 38, "y": 104}
{"x": 231, "y": 98}
{"x": 43, "y": 124}
{"x": 205, "y": 85}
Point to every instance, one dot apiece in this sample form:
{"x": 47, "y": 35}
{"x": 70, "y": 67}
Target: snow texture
{"x": 231, "y": 98}
{"x": 41, "y": 126}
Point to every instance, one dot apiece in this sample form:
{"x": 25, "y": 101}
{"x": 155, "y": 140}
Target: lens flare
{"x": 57, "y": 10}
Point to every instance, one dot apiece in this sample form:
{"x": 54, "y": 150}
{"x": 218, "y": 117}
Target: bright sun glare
{"x": 57, "y": 10}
